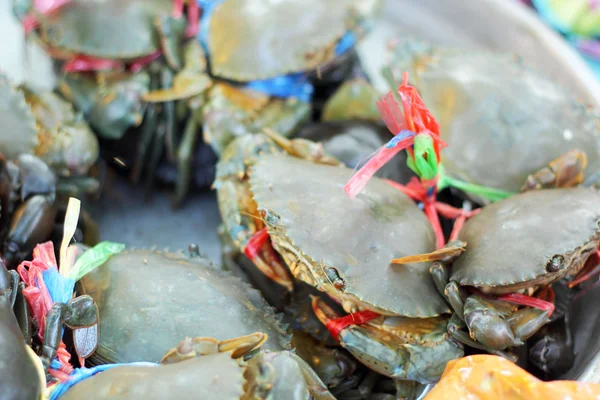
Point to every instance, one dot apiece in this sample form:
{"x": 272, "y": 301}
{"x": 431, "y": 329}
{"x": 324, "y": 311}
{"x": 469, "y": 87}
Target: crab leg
{"x": 563, "y": 172}
{"x": 447, "y": 253}
{"x": 79, "y": 312}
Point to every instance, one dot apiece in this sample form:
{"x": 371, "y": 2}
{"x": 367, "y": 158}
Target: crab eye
{"x": 555, "y": 264}
{"x": 335, "y": 278}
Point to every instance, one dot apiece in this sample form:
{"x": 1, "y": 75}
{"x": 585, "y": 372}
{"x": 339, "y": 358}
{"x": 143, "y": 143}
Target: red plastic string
{"x": 358, "y": 182}
{"x": 178, "y": 8}
{"x": 38, "y": 297}
{"x": 255, "y": 243}
{"x": 413, "y": 193}
{"x": 336, "y": 325}
{"x": 390, "y": 112}
{"x": 521, "y": 299}
{"x": 60, "y": 375}
{"x": 432, "y": 216}
{"x": 193, "y": 19}
{"x": 30, "y": 22}
{"x": 414, "y": 117}
{"x": 83, "y": 63}
{"x": 141, "y": 62}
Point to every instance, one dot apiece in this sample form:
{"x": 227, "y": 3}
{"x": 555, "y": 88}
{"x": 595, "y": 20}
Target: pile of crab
{"x": 167, "y": 84}
{"x": 351, "y": 269}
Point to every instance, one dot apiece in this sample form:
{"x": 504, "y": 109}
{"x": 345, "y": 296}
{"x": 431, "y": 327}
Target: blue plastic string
{"x": 404, "y": 134}
{"x": 81, "y": 374}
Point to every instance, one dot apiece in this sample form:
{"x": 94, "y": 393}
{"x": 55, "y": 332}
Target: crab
{"x": 21, "y": 372}
{"x": 27, "y": 198}
{"x": 191, "y": 293}
{"x": 485, "y": 100}
{"x": 43, "y": 124}
{"x": 303, "y": 36}
{"x": 487, "y": 376}
{"x": 404, "y": 313}
{"x": 90, "y": 34}
{"x": 238, "y": 210}
{"x": 511, "y": 255}
{"x": 203, "y": 367}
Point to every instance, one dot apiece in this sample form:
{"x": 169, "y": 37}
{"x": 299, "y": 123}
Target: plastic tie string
{"x": 336, "y": 325}
{"x": 522, "y": 300}
{"x": 415, "y": 130}
{"x": 46, "y": 285}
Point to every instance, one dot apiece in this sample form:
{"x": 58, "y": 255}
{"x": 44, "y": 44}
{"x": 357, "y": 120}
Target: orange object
{"x": 492, "y": 377}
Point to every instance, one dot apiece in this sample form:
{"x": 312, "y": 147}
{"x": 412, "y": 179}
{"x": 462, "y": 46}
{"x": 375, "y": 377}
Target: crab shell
{"x": 213, "y": 376}
{"x": 313, "y": 221}
{"x": 111, "y": 108}
{"x": 354, "y": 141}
{"x": 208, "y": 377}
{"x": 18, "y": 122}
{"x": 66, "y": 142}
{"x": 511, "y": 243}
{"x": 260, "y": 39}
{"x": 492, "y": 104}
{"x": 115, "y": 29}
{"x": 148, "y": 299}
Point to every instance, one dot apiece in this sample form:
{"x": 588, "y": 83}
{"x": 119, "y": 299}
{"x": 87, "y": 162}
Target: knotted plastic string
{"x": 80, "y": 374}
{"x": 44, "y": 286}
{"x": 522, "y": 300}
{"x": 336, "y": 325}
{"x": 424, "y": 133}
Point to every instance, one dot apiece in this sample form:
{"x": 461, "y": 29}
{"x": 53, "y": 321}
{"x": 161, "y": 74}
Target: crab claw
{"x": 488, "y": 326}
{"x": 393, "y": 346}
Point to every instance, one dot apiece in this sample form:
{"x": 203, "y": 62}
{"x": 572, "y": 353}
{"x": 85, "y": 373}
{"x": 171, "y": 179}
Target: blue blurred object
{"x": 290, "y": 85}
{"x": 80, "y": 374}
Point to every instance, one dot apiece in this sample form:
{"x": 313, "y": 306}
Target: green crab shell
{"x": 492, "y": 104}
{"x": 260, "y": 39}
{"x": 512, "y": 241}
{"x": 149, "y": 300}
{"x": 17, "y": 121}
{"x": 214, "y": 376}
{"x": 115, "y": 29}
{"x": 358, "y": 237}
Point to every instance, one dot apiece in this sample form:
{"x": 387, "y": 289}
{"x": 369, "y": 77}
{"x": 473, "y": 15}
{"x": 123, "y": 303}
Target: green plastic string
{"x": 425, "y": 162}
{"x": 94, "y": 257}
{"x": 489, "y": 193}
